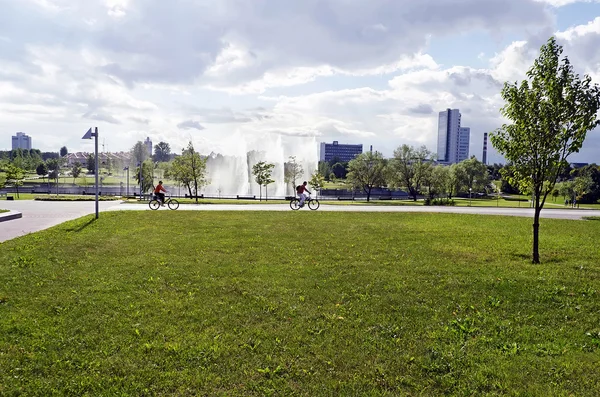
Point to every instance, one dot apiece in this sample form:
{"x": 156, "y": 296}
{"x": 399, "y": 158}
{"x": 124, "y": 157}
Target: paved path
{"x": 39, "y": 215}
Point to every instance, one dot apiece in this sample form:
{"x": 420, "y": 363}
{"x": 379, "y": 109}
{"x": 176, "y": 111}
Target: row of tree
{"x": 415, "y": 171}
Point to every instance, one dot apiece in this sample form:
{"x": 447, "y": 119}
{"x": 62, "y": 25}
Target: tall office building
{"x": 21, "y": 141}
{"x": 343, "y": 152}
{"x": 485, "y": 140}
{"x": 453, "y": 140}
{"x": 148, "y": 146}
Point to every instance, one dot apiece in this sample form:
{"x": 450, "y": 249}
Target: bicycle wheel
{"x": 173, "y": 204}
{"x": 313, "y": 204}
{"x": 154, "y": 204}
{"x": 295, "y": 204}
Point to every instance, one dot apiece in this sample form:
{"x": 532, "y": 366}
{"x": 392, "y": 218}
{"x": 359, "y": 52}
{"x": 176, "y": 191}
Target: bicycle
{"x": 170, "y": 202}
{"x": 312, "y": 203}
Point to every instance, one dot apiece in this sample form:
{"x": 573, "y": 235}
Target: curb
{"x": 10, "y": 215}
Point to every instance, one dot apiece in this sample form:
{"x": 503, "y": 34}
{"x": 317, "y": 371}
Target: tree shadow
{"x": 79, "y": 227}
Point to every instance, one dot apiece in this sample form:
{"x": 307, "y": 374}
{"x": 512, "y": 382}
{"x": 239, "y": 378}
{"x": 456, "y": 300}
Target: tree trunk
{"x": 536, "y": 233}
{"x": 368, "y": 195}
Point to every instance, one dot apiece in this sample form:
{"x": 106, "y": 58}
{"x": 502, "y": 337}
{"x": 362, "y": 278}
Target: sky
{"x": 231, "y": 74}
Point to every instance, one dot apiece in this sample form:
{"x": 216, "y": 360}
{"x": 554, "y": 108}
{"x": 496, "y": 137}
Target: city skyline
{"x": 373, "y": 72}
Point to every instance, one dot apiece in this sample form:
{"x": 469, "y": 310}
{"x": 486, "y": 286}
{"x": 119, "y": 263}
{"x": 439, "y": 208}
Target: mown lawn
{"x": 300, "y": 303}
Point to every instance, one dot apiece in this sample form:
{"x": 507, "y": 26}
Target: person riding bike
{"x": 157, "y": 191}
{"x": 300, "y": 189}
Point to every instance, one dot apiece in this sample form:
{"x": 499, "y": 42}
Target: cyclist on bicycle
{"x": 300, "y": 189}
{"x": 158, "y": 192}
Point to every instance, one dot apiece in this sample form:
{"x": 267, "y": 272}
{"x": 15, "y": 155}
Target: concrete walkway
{"x": 39, "y": 215}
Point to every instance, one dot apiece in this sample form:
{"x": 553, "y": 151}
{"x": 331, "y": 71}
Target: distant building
{"x": 148, "y": 146}
{"x": 453, "y": 140}
{"x": 344, "y": 152}
{"x": 115, "y": 159}
{"x": 578, "y": 165}
{"x": 485, "y": 141}
{"x": 21, "y": 141}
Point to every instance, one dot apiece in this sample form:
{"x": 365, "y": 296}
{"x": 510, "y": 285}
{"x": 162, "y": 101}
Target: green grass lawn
{"x": 183, "y": 303}
{"x": 1, "y": 211}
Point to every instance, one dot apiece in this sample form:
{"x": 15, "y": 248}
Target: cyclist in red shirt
{"x": 157, "y": 191}
{"x": 300, "y": 190}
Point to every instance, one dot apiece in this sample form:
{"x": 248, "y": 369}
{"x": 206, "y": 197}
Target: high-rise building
{"x": 148, "y": 146}
{"x": 453, "y": 140}
{"x": 343, "y": 152}
{"x": 21, "y": 141}
{"x": 485, "y": 140}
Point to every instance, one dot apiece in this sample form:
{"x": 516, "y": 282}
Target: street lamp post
{"x": 89, "y": 135}
{"x": 140, "y": 178}
{"x": 470, "y": 196}
{"x": 127, "y": 169}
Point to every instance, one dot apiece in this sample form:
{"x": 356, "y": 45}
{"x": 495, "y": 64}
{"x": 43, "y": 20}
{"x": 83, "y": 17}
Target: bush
{"x": 440, "y": 201}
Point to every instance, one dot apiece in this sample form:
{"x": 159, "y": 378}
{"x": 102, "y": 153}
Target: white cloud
{"x": 336, "y": 69}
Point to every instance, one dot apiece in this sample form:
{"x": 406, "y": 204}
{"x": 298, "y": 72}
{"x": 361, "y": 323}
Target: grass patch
{"x": 75, "y": 198}
{"x": 1, "y": 211}
{"x": 224, "y": 303}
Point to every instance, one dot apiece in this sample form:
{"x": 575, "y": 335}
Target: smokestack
{"x": 485, "y": 148}
{"x": 371, "y": 148}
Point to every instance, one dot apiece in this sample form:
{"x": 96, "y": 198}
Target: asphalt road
{"x": 39, "y": 215}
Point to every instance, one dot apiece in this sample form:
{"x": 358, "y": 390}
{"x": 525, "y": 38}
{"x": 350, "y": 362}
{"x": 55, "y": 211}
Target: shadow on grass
{"x": 591, "y": 218}
{"x": 82, "y": 225}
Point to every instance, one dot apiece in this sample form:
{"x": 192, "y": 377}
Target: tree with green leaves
{"x": 76, "y": 171}
{"x": 472, "y": 175}
{"x": 367, "y": 171}
{"x": 190, "y": 170}
{"x": 262, "y": 172}
{"x": 63, "y": 151}
{"x": 147, "y": 181}
{"x": 53, "y": 171}
{"x": 15, "y": 176}
{"x": 581, "y": 185}
{"x": 139, "y": 154}
{"x": 409, "y": 168}
{"x": 550, "y": 113}
{"x": 91, "y": 164}
{"x": 42, "y": 170}
{"x": 292, "y": 172}
{"x": 162, "y": 152}
{"x": 317, "y": 181}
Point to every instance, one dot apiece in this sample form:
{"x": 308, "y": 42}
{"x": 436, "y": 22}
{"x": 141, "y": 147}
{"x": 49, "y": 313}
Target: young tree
{"x": 190, "y": 170}
{"x": 292, "y": 172}
{"x": 53, "y": 171}
{"x": 147, "y": 182}
{"x": 162, "y": 152}
{"x": 76, "y": 171}
{"x": 581, "y": 185}
{"x": 180, "y": 172}
{"x": 325, "y": 169}
{"x": 409, "y": 168}
{"x": 317, "y": 181}
{"x": 262, "y": 172}
{"x": 91, "y": 164}
{"x": 473, "y": 175}
{"x": 139, "y": 154}
{"x": 63, "y": 151}
{"x": 551, "y": 113}
{"x": 366, "y": 171}
{"x": 42, "y": 170}
{"x": 15, "y": 176}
